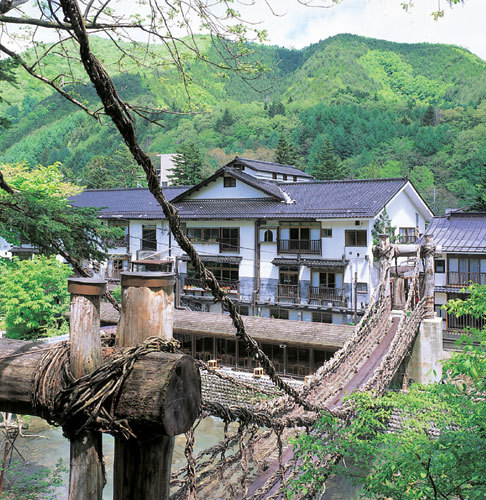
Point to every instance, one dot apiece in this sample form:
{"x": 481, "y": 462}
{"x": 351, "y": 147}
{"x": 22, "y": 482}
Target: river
{"x": 45, "y": 453}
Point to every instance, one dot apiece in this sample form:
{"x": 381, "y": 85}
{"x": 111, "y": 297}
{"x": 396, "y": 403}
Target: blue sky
{"x": 463, "y": 25}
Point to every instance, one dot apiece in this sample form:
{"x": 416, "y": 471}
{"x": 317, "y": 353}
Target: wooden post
{"x": 383, "y": 260}
{"x": 429, "y": 279}
{"x": 142, "y": 468}
{"x": 86, "y": 479}
{"x": 355, "y": 298}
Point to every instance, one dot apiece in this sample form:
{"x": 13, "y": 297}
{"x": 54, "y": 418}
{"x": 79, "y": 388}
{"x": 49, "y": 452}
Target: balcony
{"x": 300, "y": 246}
{"x": 324, "y": 294}
{"x": 287, "y": 292}
{"x": 464, "y": 279}
{"x": 197, "y": 285}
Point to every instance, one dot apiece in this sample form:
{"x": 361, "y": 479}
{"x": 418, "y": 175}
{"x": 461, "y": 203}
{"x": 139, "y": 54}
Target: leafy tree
{"x": 35, "y": 208}
{"x": 325, "y": 165}
{"x": 438, "y": 451}
{"x": 275, "y": 108}
{"x": 479, "y": 204}
{"x": 97, "y": 175}
{"x": 128, "y": 173}
{"x": 188, "y": 165}
{"x": 284, "y": 152}
{"x": 34, "y": 296}
{"x": 383, "y": 225}
{"x": 429, "y": 117}
{"x": 226, "y": 120}
{"x": 6, "y": 75}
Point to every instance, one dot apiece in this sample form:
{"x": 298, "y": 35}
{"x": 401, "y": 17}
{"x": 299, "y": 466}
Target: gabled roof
{"x": 459, "y": 232}
{"x": 268, "y": 166}
{"x": 305, "y": 200}
{"x": 269, "y": 188}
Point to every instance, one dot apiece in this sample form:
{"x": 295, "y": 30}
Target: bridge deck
{"x": 297, "y": 333}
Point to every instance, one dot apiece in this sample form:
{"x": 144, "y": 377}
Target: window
{"x": 295, "y": 178}
{"x": 439, "y": 266}
{"x": 356, "y": 238}
{"x": 243, "y": 310}
{"x": 229, "y": 239}
{"x": 463, "y": 270}
{"x": 149, "y": 237}
{"x": 327, "y": 280}
{"x": 203, "y": 234}
{"x": 408, "y": 235}
{"x": 274, "y": 175}
{"x": 229, "y": 182}
{"x": 284, "y": 177}
{"x": 439, "y": 312}
{"x": 222, "y": 271}
{"x": 416, "y": 219}
{"x": 320, "y": 317}
{"x": 289, "y": 275}
{"x": 277, "y": 313}
{"x": 362, "y": 287}
{"x": 326, "y": 232}
{"x": 268, "y": 236}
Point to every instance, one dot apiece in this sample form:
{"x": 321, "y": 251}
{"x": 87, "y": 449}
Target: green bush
{"x": 34, "y": 297}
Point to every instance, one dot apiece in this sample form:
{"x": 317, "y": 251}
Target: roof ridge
{"x": 93, "y": 190}
{"x": 335, "y": 181}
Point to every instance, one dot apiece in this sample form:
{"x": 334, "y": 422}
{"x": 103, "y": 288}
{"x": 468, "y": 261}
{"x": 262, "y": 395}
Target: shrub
{"x": 34, "y": 297}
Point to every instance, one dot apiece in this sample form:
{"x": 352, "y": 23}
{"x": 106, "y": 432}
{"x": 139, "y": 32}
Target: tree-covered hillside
{"x": 378, "y": 108}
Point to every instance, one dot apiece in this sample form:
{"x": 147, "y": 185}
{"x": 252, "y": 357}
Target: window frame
{"x": 356, "y": 243}
{"x": 147, "y": 244}
{"x": 229, "y": 182}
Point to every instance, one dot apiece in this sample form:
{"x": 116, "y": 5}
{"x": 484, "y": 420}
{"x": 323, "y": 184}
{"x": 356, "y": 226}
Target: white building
{"x": 281, "y": 243}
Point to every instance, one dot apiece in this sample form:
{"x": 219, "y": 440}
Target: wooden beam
{"x": 161, "y": 395}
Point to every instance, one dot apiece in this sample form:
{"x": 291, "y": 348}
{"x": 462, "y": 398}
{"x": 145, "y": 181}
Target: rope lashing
{"x": 90, "y": 401}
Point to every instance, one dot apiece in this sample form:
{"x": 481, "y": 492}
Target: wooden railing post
{"x": 142, "y": 468}
{"x": 86, "y": 478}
{"x": 429, "y": 279}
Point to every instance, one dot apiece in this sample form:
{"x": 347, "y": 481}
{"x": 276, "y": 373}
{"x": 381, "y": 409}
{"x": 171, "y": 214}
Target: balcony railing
{"x": 327, "y": 294}
{"x": 120, "y": 242}
{"x": 300, "y": 246}
{"x": 288, "y": 292}
{"x": 197, "y": 284}
{"x": 463, "y": 279}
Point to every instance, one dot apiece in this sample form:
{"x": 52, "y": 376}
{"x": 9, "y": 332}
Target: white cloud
{"x": 462, "y": 25}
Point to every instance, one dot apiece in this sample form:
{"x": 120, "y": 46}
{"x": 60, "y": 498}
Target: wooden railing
{"x": 463, "y": 279}
{"x": 300, "y": 246}
{"x": 196, "y": 283}
{"x": 324, "y": 293}
{"x": 288, "y": 292}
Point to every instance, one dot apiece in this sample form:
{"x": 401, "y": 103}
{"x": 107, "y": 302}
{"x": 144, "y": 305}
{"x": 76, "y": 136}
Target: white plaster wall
{"x": 441, "y": 278}
{"x": 215, "y": 191}
{"x": 401, "y": 210}
{"x": 4, "y": 249}
{"x": 269, "y": 176}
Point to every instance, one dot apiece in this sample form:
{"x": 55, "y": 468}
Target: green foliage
{"x": 41, "y": 484}
{"x": 188, "y": 165}
{"x": 324, "y": 164}
{"x": 383, "y": 225}
{"x": 438, "y": 451}
{"x": 34, "y": 297}
{"x": 284, "y": 152}
{"x": 39, "y": 212}
{"x": 479, "y": 204}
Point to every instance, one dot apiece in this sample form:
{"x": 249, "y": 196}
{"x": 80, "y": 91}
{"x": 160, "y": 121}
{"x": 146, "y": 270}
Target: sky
{"x": 463, "y": 25}
{"x": 294, "y": 25}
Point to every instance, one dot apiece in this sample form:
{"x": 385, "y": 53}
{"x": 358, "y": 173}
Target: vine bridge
{"x": 253, "y": 460}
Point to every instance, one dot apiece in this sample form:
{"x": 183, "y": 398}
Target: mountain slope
{"x": 368, "y": 97}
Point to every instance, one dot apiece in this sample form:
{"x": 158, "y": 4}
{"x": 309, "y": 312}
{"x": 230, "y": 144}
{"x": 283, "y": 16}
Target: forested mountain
{"x": 385, "y": 109}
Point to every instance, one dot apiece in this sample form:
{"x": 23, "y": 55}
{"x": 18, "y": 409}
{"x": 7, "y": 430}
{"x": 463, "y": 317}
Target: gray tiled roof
{"x": 132, "y": 202}
{"x": 268, "y": 166}
{"x": 459, "y": 232}
{"x": 309, "y": 200}
{"x": 267, "y": 187}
